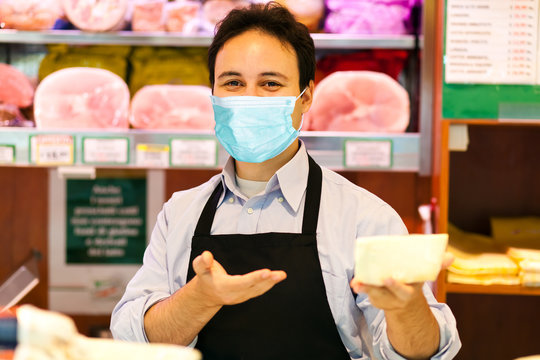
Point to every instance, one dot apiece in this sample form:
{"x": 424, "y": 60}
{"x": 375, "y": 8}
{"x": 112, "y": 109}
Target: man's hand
{"x": 219, "y": 288}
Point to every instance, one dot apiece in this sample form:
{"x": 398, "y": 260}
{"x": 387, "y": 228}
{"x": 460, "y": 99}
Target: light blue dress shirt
{"x": 346, "y": 212}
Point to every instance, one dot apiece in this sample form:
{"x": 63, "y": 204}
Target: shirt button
{"x": 231, "y": 200}
{"x": 280, "y": 199}
{"x": 250, "y": 211}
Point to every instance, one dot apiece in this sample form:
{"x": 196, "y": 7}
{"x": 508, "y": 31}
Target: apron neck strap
{"x": 311, "y": 207}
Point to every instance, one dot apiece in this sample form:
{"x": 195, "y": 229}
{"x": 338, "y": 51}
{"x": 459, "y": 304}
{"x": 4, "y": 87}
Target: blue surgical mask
{"x": 255, "y": 128}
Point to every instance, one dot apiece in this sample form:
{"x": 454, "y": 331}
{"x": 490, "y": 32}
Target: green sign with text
{"x": 106, "y": 221}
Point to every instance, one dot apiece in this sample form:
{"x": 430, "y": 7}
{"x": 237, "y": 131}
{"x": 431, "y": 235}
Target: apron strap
{"x": 204, "y": 225}
{"x": 311, "y": 207}
{"x": 313, "y": 198}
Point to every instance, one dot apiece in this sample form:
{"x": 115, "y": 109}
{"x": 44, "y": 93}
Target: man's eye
{"x": 272, "y": 84}
{"x": 233, "y": 83}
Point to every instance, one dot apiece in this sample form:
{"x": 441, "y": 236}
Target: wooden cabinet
{"x": 498, "y": 175}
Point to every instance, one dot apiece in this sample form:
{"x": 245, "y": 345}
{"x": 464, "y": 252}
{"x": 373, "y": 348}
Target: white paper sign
{"x": 194, "y": 152}
{"x": 7, "y": 154}
{"x": 491, "y": 42}
{"x": 51, "y": 149}
{"x": 106, "y": 151}
{"x": 152, "y": 155}
{"x": 368, "y": 154}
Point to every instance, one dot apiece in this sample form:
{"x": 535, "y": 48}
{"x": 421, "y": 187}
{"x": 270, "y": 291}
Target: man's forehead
{"x": 229, "y": 73}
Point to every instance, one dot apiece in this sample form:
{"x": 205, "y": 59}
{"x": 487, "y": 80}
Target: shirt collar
{"x": 291, "y": 178}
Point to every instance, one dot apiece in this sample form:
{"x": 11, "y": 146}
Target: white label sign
{"x": 106, "y": 151}
{"x": 491, "y": 42}
{"x": 51, "y": 149}
{"x": 193, "y": 152}
{"x": 7, "y": 154}
{"x": 152, "y": 155}
{"x": 368, "y": 154}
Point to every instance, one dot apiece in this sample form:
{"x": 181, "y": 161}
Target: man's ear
{"x": 307, "y": 97}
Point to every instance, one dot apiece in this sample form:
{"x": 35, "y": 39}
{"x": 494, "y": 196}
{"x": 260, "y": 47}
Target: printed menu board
{"x": 492, "y": 42}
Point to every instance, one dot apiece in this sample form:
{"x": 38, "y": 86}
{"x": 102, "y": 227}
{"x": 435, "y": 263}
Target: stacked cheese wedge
{"x": 479, "y": 261}
{"x": 529, "y": 263}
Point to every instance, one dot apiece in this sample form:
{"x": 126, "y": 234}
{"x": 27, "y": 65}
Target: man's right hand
{"x": 219, "y": 288}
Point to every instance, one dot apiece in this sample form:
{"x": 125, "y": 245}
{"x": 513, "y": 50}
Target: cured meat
{"x": 172, "y": 107}
{"x": 308, "y": 12}
{"x": 82, "y": 98}
{"x": 148, "y": 16}
{"x": 16, "y": 89}
{"x": 215, "y": 10}
{"x": 91, "y": 15}
{"x": 182, "y": 16}
{"x": 29, "y": 14}
{"x": 359, "y": 101}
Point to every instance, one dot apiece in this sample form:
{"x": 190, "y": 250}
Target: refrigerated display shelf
{"x": 76, "y": 37}
{"x": 328, "y": 148}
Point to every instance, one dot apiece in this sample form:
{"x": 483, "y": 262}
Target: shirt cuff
{"x": 153, "y": 299}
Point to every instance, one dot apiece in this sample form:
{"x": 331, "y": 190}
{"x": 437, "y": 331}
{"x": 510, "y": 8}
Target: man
{"x": 257, "y": 263}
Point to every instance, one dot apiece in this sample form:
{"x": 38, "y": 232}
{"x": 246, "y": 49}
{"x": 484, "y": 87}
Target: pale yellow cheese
{"x": 483, "y": 264}
{"x": 489, "y": 279}
{"x": 405, "y": 258}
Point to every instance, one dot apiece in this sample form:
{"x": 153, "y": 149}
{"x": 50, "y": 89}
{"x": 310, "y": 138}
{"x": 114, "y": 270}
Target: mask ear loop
{"x": 302, "y": 121}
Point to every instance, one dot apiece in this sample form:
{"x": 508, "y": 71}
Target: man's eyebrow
{"x": 229, "y": 73}
{"x": 272, "y": 73}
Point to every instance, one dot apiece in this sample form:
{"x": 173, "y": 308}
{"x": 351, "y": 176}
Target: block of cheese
{"x": 405, "y": 258}
{"x": 486, "y": 280}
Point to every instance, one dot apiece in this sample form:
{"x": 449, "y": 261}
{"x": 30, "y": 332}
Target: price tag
{"x": 152, "y": 155}
{"x": 51, "y": 149}
{"x": 7, "y": 154}
{"x": 368, "y": 154}
{"x": 194, "y": 152}
{"x": 106, "y": 150}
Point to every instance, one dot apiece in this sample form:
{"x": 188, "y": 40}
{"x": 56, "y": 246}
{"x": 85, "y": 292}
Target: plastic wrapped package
{"x": 16, "y": 89}
{"x": 358, "y": 101}
{"x": 61, "y": 56}
{"x": 81, "y": 97}
{"x": 181, "y": 107}
{"x": 405, "y": 258}
{"x": 148, "y": 15}
{"x": 308, "y": 12}
{"x": 91, "y": 15}
{"x": 215, "y": 10}
{"x": 183, "y": 16}
{"x": 29, "y": 14}
{"x": 368, "y": 16}
{"x": 174, "y": 66}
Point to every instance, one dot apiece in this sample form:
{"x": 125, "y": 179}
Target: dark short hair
{"x": 275, "y": 20}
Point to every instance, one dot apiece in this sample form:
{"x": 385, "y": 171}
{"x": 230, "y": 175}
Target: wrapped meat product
{"x": 29, "y": 14}
{"x": 91, "y": 15}
{"x": 368, "y": 16}
{"x": 82, "y": 98}
{"x": 183, "y": 16}
{"x": 358, "y": 101}
{"x": 215, "y": 10}
{"x": 16, "y": 89}
{"x": 308, "y": 12}
{"x": 148, "y": 15}
{"x": 172, "y": 107}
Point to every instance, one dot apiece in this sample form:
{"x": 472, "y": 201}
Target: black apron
{"x": 293, "y": 319}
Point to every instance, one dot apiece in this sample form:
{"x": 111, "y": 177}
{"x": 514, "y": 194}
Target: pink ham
{"x": 87, "y": 98}
{"x": 91, "y": 15}
{"x": 182, "y": 16}
{"x": 358, "y": 101}
{"x": 148, "y": 16}
{"x": 172, "y": 107}
{"x": 215, "y": 10}
{"x": 16, "y": 89}
{"x": 29, "y": 14}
